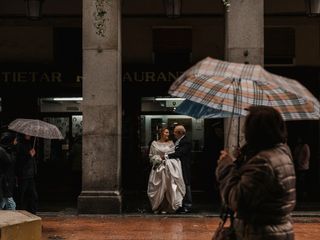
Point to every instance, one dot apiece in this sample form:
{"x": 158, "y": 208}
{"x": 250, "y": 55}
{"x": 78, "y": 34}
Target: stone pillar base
{"x": 99, "y": 202}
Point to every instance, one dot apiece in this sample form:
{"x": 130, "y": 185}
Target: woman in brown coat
{"x": 260, "y": 185}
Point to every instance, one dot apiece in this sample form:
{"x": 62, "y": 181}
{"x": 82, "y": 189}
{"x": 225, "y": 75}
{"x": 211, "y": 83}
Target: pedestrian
{"x": 301, "y": 157}
{"x": 166, "y": 187}
{"x": 260, "y": 186}
{"x": 182, "y": 152}
{"x": 7, "y": 170}
{"x": 26, "y": 170}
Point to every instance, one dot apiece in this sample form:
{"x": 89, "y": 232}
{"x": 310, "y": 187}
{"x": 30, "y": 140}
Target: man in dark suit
{"x": 183, "y": 152}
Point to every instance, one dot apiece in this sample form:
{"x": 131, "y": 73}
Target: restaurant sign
{"x": 57, "y": 77}
{"x": 35, "y": 77}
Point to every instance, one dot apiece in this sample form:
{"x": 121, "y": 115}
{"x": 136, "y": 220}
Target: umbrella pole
{"x": 237, "y": 94}
{"x": 238, "y": 139}
{"x": 228, "y": 131}
{"x": 34, "y": 142}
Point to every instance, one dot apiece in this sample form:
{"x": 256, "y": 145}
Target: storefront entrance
{"x": 207, "y": 141}
{"x": 59, "y": 161}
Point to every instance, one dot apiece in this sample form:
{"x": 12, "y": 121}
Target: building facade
{"x": 121, "y": 56}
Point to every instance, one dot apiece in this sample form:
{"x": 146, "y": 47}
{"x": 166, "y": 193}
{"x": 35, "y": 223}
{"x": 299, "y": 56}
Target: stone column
{"x": 244, "y": 24}
{"x": 101, "y": 158}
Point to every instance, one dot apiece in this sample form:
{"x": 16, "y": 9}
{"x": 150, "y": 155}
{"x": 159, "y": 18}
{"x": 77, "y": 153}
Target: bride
{"x": 166, "y": 187}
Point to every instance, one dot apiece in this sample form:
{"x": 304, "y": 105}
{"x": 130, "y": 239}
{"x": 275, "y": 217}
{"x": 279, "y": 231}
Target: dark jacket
{"x": 7, "y": 171}
{"x": 183, "y": 152}
{"x": 25, "y": 164}
{"x": 262, "y": 194}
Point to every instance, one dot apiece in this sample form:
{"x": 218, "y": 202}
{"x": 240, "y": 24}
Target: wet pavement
{"x": 149, "y": 227}
{"x": 137, "y": 222}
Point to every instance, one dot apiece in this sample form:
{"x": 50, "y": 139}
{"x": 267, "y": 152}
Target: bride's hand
{"x": 225, "y": 156}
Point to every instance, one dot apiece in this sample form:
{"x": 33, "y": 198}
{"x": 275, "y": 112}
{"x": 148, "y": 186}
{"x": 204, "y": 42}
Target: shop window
{"x": 206, "y": 136}
{"x": 60, "y": 104}
{"x": 76, "y": 126}
{"x": 65, "y": 113}
{"x": 56, "y": 149}
{"x": 161, "y": 113}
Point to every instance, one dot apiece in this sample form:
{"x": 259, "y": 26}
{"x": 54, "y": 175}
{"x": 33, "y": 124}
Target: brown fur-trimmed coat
{"x": 262, "y": 194}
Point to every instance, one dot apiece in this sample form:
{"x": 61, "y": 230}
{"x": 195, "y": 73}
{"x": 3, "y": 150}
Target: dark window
{"x": 68, "y": 46}
{"x": 279, "y": 45}
{"x": 172, "y": 46}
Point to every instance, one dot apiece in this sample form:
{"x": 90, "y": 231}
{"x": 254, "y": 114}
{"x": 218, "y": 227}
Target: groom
{"x": 183, "y": 152}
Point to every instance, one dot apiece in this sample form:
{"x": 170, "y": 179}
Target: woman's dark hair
{"x": 264, "y": 128}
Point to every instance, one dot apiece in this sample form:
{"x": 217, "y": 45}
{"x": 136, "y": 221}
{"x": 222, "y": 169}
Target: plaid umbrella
{"x": 35, "y": 128}
{"x": 215, "y": 88}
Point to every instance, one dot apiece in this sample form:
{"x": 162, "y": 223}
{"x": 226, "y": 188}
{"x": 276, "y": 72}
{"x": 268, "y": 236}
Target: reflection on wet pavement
{"x": 149, "y": 227}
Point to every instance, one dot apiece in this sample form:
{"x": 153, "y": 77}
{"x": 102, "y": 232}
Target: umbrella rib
{"x": 212, "y": 92}
{"x": 257, "y": 94}
{"x": 236, "y": 95}
{"x": 225, "y": 94}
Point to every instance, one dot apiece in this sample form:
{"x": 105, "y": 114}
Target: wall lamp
{"x": 173, "y": 8}
{"x": 312, "y": 7}
{"x": 33, "y": 9}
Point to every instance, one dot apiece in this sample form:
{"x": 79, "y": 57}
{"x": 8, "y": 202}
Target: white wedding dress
{"x": 166, "y": 187}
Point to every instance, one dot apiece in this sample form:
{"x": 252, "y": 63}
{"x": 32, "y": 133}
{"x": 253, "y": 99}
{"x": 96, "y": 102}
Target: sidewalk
{"x": 138, "y": 223}
{"x": 149, "y": 227}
